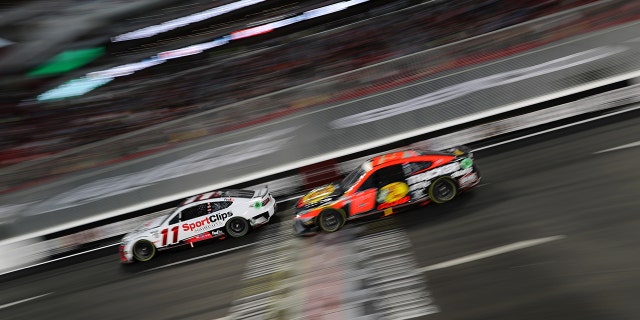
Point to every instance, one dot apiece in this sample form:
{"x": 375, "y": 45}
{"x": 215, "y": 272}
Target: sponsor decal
{"x": 461, "y": 172}
{"x": 467, "y": 179}
{"x": 466, "y": 163}
{"x": 400, "y": 201}
{"x": 200, "y": 237}
{"x": 318, "y": 195}
{"x": 206, "y": 222}
{"x": 392, "y": 195}
{"x": 419, "y": 182}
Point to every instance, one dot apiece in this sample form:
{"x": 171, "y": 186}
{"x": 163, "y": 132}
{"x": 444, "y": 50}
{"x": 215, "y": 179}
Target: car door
{"x": 201, "y": 218}
{"x": 384, "y": 188}
{"x": 188, "y": 222}
{"x": 169, "y": 234}
{"x": 415, "y": 172}
{"x": 392, "y": 187}
{"x": 363, "y": 200}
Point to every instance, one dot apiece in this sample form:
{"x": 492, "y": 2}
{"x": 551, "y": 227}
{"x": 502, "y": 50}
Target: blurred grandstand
{"x": 301, "y": 53}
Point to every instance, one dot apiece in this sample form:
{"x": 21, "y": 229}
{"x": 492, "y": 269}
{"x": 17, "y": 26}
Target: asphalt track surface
{"x": 551, "y": 233}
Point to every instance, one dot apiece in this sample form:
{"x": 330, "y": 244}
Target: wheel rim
{"x": 330, "y": 220}
{"x": 443, "y": 190}
{"x": 237, "y": 226}
{"x": 143, "y": 250}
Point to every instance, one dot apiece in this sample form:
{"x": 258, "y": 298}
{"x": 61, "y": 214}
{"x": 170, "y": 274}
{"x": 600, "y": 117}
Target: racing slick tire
{"x": 237, "y": 227}
{"x": 442, "y": 190}
{"x": 143, "y": 250}
{"x": 330, "y": 220}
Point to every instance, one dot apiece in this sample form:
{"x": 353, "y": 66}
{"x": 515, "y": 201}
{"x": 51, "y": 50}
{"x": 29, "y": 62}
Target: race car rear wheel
{"x": 442, "y": 190}
{"x": 237, "y": 227}
{"x": 331, "y": 220}
{"x": 143, "y": 250}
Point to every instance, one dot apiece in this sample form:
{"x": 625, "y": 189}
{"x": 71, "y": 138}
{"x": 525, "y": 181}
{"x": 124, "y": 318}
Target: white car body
{"x": 210, "y": 215}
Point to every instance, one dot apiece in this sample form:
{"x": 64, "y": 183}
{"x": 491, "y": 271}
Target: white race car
{"x": 210, "y": 215}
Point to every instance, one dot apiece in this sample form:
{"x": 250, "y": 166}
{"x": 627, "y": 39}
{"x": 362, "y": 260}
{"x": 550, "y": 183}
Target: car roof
{"x": 384, "y": 159}
{"x": 220, "y": 194}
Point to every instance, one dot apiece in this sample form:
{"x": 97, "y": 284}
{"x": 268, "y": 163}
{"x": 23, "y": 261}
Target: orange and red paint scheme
{"x": 384, "y": 183}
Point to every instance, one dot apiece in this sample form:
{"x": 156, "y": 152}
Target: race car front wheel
{"x": 144, "y": 250}
{"x": 237, "y": 227}
{"x": 442, "y": 190}
{"x": 330, "y": 220}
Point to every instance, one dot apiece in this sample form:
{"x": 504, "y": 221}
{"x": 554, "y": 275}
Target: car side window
{"x": 224, "y": 204}
{"x": 390, "y": 174}
{"x": 175, "y": 219}
{"x": 369, "y": 183}
{"x": 383, "y": 177}
{"x": 194, "y": 212}
{"x": 414, "y": 167}
{"x": 218, "y": 205}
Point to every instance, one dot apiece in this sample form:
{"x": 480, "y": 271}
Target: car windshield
{"x": 352, "y": 178}
{"x": 171, "y": 215}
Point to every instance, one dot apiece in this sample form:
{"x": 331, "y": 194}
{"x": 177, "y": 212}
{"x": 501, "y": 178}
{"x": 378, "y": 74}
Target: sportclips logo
{"x": 215, "y": 219}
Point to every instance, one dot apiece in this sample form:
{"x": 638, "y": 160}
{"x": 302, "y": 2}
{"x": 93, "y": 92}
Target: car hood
{"x": 148, "y": 225}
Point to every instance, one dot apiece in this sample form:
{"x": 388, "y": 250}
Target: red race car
{"x": 387, "y": 182}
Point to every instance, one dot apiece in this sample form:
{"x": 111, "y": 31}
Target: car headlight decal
{"x": 466, "y": 163}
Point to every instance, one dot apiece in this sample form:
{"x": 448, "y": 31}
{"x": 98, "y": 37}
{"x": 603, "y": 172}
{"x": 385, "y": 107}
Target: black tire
{"x": 237, "y": 227}
{"x": 330, "y": 220}
{"x": 143, "y": 250}
{"x": 442, "y": 190}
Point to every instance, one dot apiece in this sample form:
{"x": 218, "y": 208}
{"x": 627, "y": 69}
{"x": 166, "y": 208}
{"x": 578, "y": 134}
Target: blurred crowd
{"x": 221, "y": 77}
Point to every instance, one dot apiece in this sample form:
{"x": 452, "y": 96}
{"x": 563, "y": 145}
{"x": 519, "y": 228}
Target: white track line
{"x": 629, "y": 145}
{"x": 61, "y": 258}
{"x": 24, "y": 300}
{"x": 491, "y": 252}
{"x": 200, "y": 257}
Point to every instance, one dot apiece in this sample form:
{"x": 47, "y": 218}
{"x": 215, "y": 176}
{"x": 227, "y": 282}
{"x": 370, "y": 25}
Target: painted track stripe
{"x": 628, "y": 145}
{"x": 491, "y": 252}
{"x": 200, "y": 257}
{"x": 23, "y": 300}
{"x": 61, "y": 258}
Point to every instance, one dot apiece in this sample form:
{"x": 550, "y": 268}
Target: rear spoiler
{"x": 262, "y": 192}
{"x": 461, "y": 151}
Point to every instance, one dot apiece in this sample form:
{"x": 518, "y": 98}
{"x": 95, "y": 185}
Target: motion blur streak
{"x": 183, "y": 21}
{"x": 468, "y": 87}
{"x": 560, "y": 128}
{"x": 198, "y": 162}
